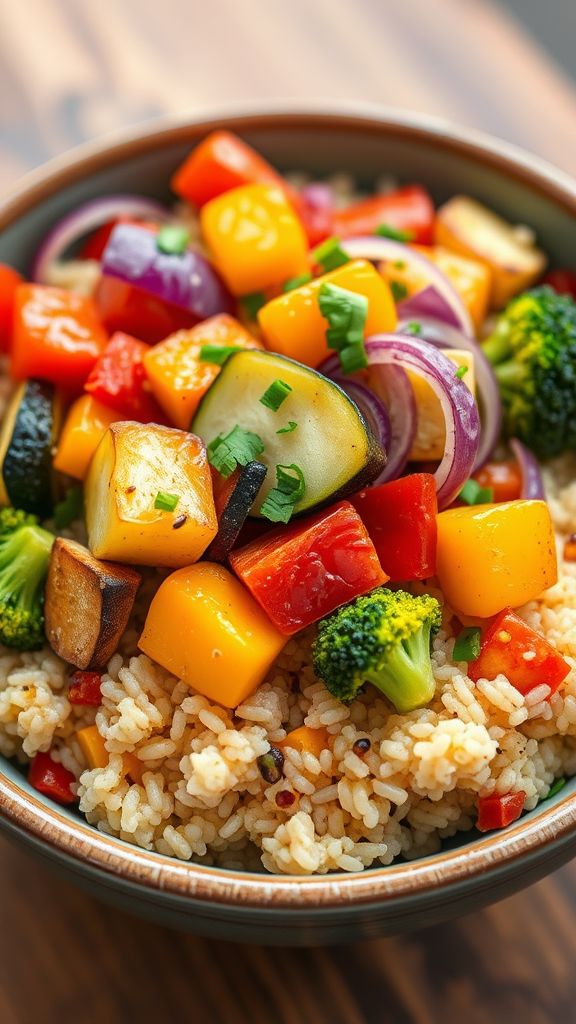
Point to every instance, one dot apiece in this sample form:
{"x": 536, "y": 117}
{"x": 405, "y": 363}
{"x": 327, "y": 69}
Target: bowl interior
{"x": 319, "y": 145}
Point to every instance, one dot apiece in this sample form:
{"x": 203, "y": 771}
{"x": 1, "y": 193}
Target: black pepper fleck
{"x": 178, "y": 522}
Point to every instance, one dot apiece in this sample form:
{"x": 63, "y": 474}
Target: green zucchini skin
{"x": 333, "y": 443}
{"x": 27, "y": 461}
{"x": 236, "y": 511}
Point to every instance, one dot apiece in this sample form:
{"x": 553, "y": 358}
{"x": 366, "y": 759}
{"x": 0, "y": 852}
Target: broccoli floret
{"x": 24, "y": 554}
{"x": 382, "y": 638}
{"x": 533, "y": 351}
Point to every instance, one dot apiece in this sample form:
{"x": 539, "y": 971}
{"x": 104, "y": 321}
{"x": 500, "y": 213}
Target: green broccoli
{"x": 382, "y": 638}
{"x": 533, "y": 351}
{"x": 24, "y": 554}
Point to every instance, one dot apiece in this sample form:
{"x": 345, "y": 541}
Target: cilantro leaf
{"x": 290, "y": 488}
{"x": 346, "y": 314}
{"x": 237, "y": 448}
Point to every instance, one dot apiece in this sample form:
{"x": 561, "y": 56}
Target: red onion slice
{"x": 443, "y": 336}
{"x": 86, "y": 218}
{"x": 532, "y": 483}
{"x": 458, "y": 405}
{"x": 446, "y": 303}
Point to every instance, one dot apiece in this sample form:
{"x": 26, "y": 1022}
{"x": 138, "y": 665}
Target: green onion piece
{"x": 217, "y": 354}
{"x": 166, "y": 502}
{"x": 556, "y": 786}
{"x": 413, "y": 328}
{"x": 251, "y": 304}
{"x": 387, "y": 231}
{"x": 290, "y": 488}
{"x": 69, "y": 509}
{"x": 467, "y": 646}
{"x": 346, "y": 314}
{"x": 399, "y": 264}
{"x": 237, "y": 448}
{"x": 473, "y": 494}
{"x": 329, "y": 255}
{"x": 276, "y": 394}
{"x": 172, "y": 239}
{"x": 296, "y": 282}
{"x": 288, "y": 429}
{"x": 461, "y": 372}
{"x": 399, "y": 290}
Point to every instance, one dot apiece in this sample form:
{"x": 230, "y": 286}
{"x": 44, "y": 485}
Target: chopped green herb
{"x": 399, "y": 264}
{"x": 251, "y": 304}
{"x": 172, "y": 239}
{"x": 346, "y": 313}
{"x": 296, "y": 282}
{"x": 461, "y": 372}
{"x": 467, "y": 646}
{"x": 282, "y": 499}
{"x": 399, "y": 290}
{"x": 329, "y": 255}
{"x": 556, "y": 786}
{"x": 217, "y": 354}
{"x": 276, "y": 394}
{"x": 69, "y": 509}
{"x": 288, "y": 430}
{"x": 166, "y": 502}
{"x": 387, "y": 231}
{"x": 237, "y": 448}
{"x": 473, "y": 494}
{"x": 413, "y": 328}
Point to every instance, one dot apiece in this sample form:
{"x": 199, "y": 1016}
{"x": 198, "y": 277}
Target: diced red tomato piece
{"x": 222, "y": 161}
{"x": 57, "y": 335}
{"x": 119, "y": 380}
{"x": 9, "y": 281}
{"x": 407, "y": 209}
{"x": 525, "y": 657}
{"x": 51, "y": 778}
{"x": 318, "y": 222}
{"x": 562, "y": 281}
{"x": 503, "y": 478}
{"x": 84, "y": 688}
{"x": 499, "y": 811}
{"x": 125, "y": 308}
{"x": 401, "y": 520}
{"x": 302, "y": 573}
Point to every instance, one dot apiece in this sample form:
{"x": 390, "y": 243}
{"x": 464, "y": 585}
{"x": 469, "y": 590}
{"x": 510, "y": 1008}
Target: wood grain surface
{"x": 71, "y": 70}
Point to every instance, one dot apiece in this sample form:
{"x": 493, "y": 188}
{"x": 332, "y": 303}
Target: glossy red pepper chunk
{"x": 119, "y": 380}
{"x": 122, "y": 307}
{"x": 401, "y": 520}
{"x": 9, "y": 281}
{"x": 222, "y": 161}
{"x": 525, "y": 657}
{"x": 84, "y": 688}
{"x": 407, "y": 209}
{"x": 300, "y": 574}
{"x": 499, "y": 811}
{"x": 51, "y": 778}
{"x": 504, "y": 479}
{"x": 562, "y": 281}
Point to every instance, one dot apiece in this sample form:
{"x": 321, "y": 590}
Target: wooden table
{"x": 69, "y": 70}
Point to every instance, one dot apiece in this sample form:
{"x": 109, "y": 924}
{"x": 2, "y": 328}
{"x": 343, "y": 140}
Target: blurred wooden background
{"x": 71, "y": 70}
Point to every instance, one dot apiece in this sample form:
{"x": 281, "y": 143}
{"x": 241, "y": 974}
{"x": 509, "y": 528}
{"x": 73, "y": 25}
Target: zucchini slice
{"x": 332, "y": 443}
{"x": 234, "y": 498}
{"x": 27, "y": 438}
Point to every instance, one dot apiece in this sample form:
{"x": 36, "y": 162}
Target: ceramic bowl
{"x": 468, "y": 873}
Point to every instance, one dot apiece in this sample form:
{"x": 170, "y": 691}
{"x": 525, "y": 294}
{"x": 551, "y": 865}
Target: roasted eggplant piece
{"x": 233, "y": 498}
{"x": 27, "y": 438}
{"x": 87, "y": 604}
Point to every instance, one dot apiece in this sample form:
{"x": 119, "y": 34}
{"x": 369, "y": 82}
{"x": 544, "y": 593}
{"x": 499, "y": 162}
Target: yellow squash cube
{"x": 205, "y": 628}
{"x": 255, "y": 238}
{"x": 86, "y": 424}
{"x": 134, "y": 464}
{"x": 293, "y": 325}
{"x": 430, "y": 439}
{"x": 492, "y": 557}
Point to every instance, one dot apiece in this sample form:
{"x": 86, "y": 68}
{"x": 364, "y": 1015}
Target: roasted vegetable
{"x": 234, "y": 499}
{"x": 84, "y": 428}
{"x": 382, "y": 638}
{"x": 24, "y": 554}
{"x": 314, "y": 741}
{"x": 94, "y": 749}
{"x": 400, "y": 517}
{"x": 525, "y": 657}
{"x": 27, "y": 437}
{"x": 88, "y": 604}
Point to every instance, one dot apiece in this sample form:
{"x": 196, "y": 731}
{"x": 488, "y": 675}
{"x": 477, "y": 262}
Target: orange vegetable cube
{"x": 206, "y": 629}
{"x": 93, "y": 747}
{"x": 314, "y": 741}
{"x": 178, "y": 377}
{"x": 255, "y": 238}
{"x": 84, "y": 428}
{"x": 293, "y": 325}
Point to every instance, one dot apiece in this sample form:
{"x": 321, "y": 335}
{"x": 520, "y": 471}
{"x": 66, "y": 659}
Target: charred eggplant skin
{"x": 27, "y": 439}
{"x": 236, "y": 510}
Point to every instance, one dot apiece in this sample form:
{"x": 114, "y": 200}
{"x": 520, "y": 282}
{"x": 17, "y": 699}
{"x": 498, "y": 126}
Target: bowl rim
{"x": 76, "y": 839}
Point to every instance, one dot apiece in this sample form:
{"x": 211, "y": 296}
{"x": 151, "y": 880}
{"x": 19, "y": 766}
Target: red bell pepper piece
{"x": 95, "y": 244}
{"x": 318, "y": 222}
{"x": 504, "y": 479}
{"x": 122, "y": 307}
{"x": 57, "y": 336}
{"x": 222, "y": 161}
{"x": 9, "y": 281}
{"x": 119, "y": 380}
{"x": 300, "y": 574}
{"x": 52, "y": 778}
{"x": 407, "y": 209}
{"x": 562, "y": 281}
{"x": 499, "y": 811}
{"x": 525, "y": 657}
{"x": 84, "y": 688}
{"x": 401, "y": 520}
